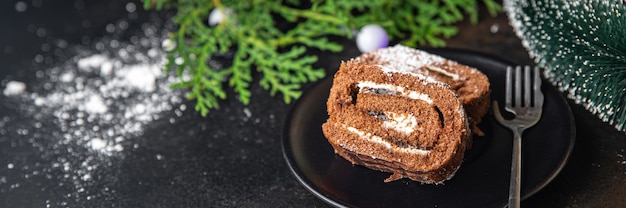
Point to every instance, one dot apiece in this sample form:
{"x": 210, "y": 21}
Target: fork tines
{"x": 529, "y": 99}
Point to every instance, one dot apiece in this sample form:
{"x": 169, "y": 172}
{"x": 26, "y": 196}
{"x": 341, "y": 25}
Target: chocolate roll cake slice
{"x": 396, "y": 121}
{"x": 471, "y": 85}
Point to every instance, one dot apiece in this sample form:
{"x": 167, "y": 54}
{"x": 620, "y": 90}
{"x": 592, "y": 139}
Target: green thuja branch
{"x": 250, "y": 35}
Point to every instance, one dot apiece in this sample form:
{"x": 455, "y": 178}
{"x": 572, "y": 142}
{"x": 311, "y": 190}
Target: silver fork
{"x": 527, "y": 111}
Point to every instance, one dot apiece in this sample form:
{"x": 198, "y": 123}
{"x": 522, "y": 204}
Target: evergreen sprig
{"x": 582, "y": 46}
{"x": 250, "y": 31}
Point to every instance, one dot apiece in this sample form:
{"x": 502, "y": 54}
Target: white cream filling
{"x": 404, "y": 123}
{"x": 398, "y": 89}
{"x": 390, "y": 70}
{"x": 444, "y": 72}
{"x": 386, "y": 144}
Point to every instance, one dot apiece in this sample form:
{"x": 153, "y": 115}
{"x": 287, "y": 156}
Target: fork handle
{"x": 516, "y": 167}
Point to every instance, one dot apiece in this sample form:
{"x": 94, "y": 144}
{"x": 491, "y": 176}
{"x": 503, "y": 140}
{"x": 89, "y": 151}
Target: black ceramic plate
{"x": 481, "y": 181}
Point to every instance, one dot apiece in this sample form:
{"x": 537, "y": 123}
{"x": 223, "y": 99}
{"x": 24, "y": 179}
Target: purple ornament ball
{"x": 371, "y": 37}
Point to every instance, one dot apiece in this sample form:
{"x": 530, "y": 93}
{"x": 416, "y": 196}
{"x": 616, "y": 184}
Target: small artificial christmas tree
{"x": 582, "y": 47}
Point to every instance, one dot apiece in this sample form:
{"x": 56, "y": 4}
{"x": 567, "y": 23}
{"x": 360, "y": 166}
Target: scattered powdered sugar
{"x": 127, "y": 95}
{"x": 131, "y": 96}
{"x": 95, "y": 105}
{"x": 92, "y": 62}
{"x": 80, "y": 115}
{"x": 14, "y": 88}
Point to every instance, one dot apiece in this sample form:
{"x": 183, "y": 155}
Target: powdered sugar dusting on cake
{"x": 405, "y": 60}
{"x": 400, "y": 58}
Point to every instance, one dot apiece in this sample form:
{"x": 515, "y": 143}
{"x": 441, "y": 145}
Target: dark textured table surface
{"x": 233, "y": 156}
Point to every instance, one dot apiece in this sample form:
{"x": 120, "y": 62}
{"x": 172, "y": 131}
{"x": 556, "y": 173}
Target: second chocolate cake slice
{"x": 471, "y": 85}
